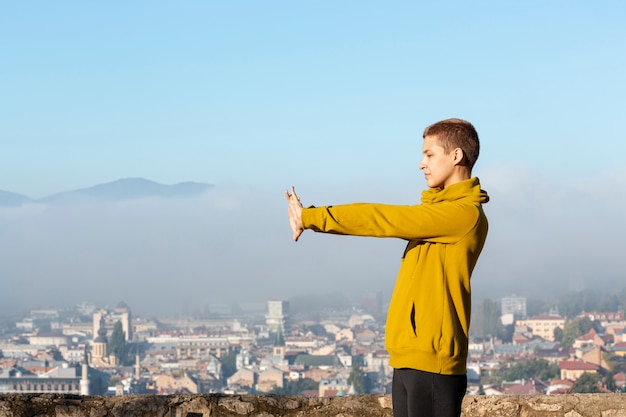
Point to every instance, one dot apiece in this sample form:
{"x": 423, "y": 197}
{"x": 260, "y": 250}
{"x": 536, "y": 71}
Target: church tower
{"x": 100, "y": 343}
{"x": 279, "y": 345}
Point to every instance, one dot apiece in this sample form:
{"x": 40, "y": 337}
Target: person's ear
{"x": 457, "y": 155}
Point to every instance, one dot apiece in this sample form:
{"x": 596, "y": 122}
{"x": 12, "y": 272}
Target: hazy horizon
{"x": 172, "y": 255}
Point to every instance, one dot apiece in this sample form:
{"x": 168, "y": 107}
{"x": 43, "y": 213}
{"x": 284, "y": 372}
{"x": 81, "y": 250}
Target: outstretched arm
{"x": 294, "y": 211}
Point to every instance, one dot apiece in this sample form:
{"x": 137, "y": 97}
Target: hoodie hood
{"x": 469, "y": 188}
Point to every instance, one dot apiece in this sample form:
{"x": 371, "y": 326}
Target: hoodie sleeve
{"x": 444, "y": 222}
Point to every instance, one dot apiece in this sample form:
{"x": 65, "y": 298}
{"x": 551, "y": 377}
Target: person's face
{"x": 438, "y": 166}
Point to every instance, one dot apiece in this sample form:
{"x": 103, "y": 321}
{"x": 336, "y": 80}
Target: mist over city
{"x": 218, "y": 247}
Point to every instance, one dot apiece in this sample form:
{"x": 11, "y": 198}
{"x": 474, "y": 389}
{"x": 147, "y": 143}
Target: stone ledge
{"x": 220, "y": 405}
{"x": 572, "y": 405}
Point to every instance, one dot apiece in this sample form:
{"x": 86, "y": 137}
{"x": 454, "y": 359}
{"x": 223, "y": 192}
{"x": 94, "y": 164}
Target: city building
{"x": 512, "y": 308}
{"x": 64, "y": 379}
{"x": 543, "y": 325}
{"x": 573, "y": 369}
{"x": 107, "y": 319}
{"x": 277, "y": 316}
{"x": 270, "y": 379}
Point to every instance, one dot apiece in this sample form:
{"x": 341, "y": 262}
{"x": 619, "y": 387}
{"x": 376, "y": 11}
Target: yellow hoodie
{"x": 429, "y": 314}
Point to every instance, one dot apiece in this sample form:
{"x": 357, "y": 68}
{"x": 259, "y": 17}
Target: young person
{"x": 429, "y": 313}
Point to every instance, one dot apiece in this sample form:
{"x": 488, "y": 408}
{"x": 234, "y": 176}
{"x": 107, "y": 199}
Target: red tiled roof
{"x": 520, "y": 338}
{"x": 520, "y": 389}
{"x": 590, "y": 335}
{"x": 310, "y": 393}
{"x": 330, "y": 393}
{"x": 619, "y": 377}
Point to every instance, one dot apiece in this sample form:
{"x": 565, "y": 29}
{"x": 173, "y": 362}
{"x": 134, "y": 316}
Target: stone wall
{"x": 218, "y": 405}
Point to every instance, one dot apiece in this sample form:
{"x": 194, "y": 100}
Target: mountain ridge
{"x": 123, "y": 189}
{"x": 8, "y": 198}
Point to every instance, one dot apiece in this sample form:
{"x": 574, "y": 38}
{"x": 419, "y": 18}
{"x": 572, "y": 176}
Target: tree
{"x": 609, "y": 382}
{"x": 577, "y": 328}
{"x": 296, "y": 387}
{"x": 570, "y": 332}
{"x": 585, "y": 325}
{"x": 356, "y": 378}
{"x": 229, "y": 364}
{"x": 505, "y": 333}
{"x": 486, "y": 319}
{"x": 538, "y": 369}
{"x": 586, "y": 383}
{"x": 117, "y": 343}
{"x": 513, "y": 370}
{"x": 558, "y": 334}
{"x": 611, "y": 361}
{"x": 574, "y": 303}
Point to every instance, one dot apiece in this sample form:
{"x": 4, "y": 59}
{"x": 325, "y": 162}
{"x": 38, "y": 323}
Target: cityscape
{"x": 281, "y": 348}
{"x": 146, "y": 247}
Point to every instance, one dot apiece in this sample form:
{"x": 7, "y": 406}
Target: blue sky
{"x": 269, "y": 94}
{"x": 329, "y": 96}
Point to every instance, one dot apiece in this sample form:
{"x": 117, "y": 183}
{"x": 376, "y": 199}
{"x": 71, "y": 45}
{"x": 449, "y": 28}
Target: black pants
{"x": 423, "y": 394}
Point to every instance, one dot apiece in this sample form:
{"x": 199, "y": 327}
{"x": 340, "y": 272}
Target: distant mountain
{"x": 120, "y": 190}
{"x": 8, "y": 199}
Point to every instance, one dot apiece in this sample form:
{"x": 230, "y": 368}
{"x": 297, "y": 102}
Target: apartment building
{"x": 542, "y": 325}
